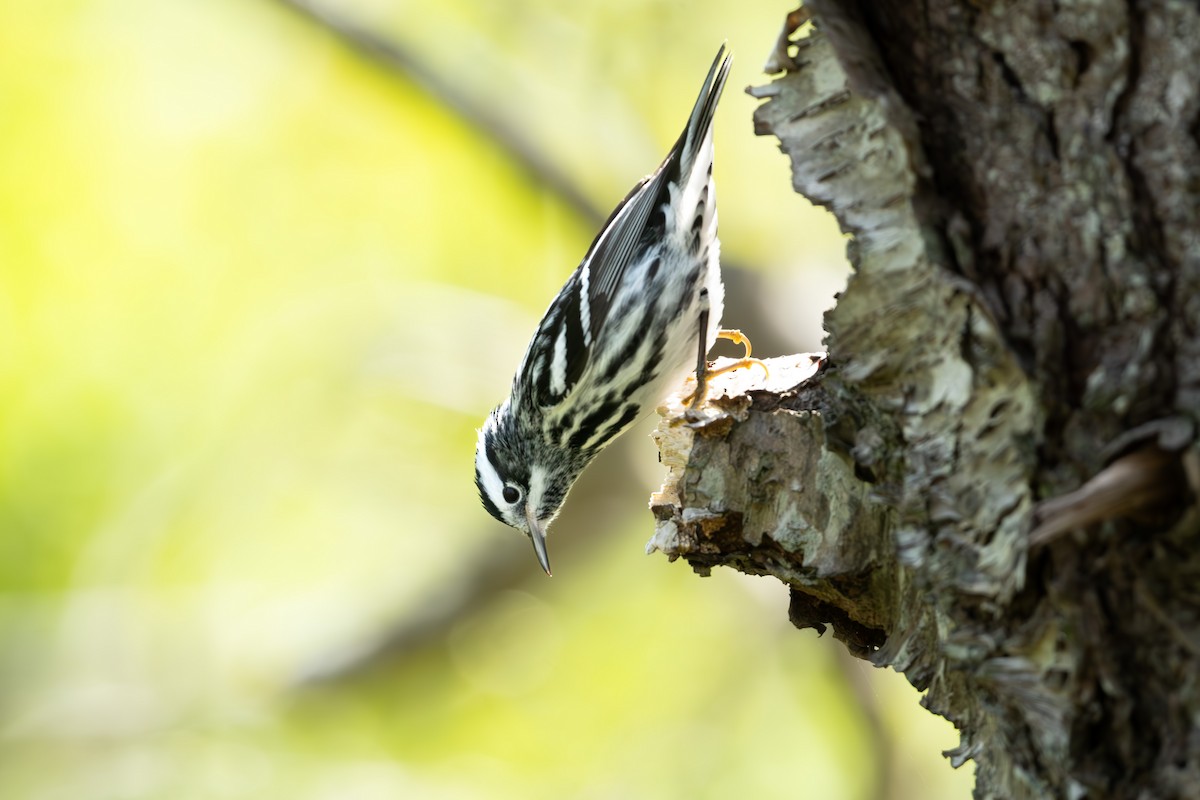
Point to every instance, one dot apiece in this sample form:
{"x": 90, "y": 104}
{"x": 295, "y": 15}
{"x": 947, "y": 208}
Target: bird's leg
{"x": 701, "y": 361}
{"x": 703, "y": 373}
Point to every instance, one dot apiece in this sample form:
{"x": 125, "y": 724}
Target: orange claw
{"x": 702, "y": 377}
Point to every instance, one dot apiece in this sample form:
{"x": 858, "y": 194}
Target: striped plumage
{"x": 621, "y": 333}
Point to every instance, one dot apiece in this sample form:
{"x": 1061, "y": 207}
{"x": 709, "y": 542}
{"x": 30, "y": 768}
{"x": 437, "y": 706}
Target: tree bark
{"x": 989, "y": 483}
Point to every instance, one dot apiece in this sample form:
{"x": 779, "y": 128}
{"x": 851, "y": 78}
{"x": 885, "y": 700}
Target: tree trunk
{"x": 989, "y": 482}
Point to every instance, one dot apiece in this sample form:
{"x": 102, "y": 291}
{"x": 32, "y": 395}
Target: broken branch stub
{"x": 775, "y": 477}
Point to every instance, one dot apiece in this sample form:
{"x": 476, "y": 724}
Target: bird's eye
{"x": 511, "y": 494}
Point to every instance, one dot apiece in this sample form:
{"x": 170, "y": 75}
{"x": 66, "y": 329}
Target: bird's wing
{"x": 633, "y": 225}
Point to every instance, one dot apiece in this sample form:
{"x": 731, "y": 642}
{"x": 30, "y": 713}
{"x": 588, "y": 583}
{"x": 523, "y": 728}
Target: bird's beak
{"x": 539, "y": 539}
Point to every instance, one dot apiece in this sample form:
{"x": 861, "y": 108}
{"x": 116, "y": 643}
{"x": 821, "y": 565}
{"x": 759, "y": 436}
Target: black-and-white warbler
{"x": 643, "y": 307}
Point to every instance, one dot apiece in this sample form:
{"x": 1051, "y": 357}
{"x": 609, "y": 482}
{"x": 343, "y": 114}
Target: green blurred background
{"x": 256, "y": 293}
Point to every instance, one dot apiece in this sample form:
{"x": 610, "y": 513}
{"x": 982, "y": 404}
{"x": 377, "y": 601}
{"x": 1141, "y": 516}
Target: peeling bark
{"x": 989, "y": 483}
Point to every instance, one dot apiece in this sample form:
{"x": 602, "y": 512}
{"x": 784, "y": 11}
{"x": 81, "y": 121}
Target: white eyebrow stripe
{"x": 492, "y": 484}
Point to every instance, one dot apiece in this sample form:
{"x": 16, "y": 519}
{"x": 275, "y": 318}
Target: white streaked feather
{"x": 585, "y": 307}
{"x": 558, "y": 363}
{"x": 537, "y": 487}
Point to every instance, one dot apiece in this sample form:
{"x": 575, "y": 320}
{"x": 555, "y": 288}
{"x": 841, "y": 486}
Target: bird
{"x": 640, "y": 311}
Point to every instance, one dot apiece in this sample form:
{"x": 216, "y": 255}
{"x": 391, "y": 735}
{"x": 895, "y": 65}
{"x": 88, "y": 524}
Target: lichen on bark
{"x": 1005, "y": 341}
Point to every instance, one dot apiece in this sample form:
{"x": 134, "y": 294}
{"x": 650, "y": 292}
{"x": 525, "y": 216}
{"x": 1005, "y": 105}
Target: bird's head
{"x": 521, "y": 482}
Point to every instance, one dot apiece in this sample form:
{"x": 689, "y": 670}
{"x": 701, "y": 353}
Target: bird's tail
{"x": 693, "y": 141}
